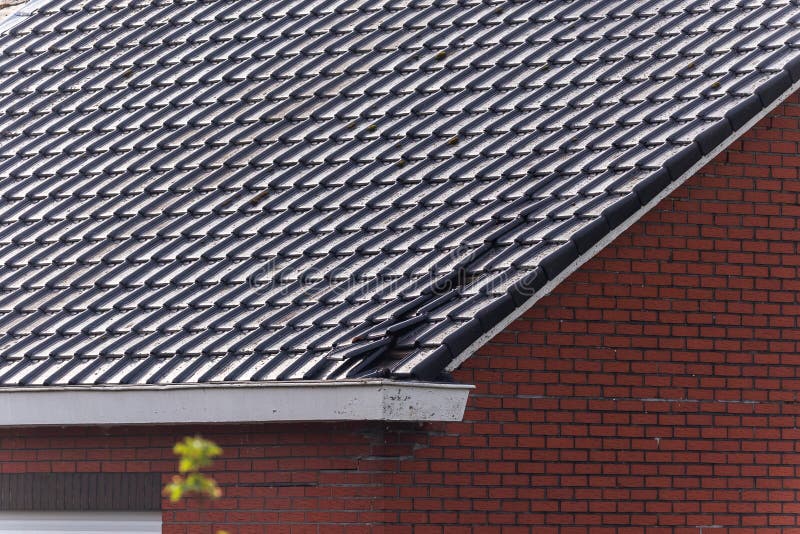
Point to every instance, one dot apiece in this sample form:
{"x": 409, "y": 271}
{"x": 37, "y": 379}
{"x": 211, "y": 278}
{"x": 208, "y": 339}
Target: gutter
{"x": 306, "y": 401}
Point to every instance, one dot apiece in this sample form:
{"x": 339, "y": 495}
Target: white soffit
{"x": 367, "y": 400}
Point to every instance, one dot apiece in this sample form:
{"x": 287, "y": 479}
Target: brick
{"x": 654, "y": 391}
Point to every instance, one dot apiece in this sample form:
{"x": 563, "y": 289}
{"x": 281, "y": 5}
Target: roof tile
{"x": 219, "y": 190}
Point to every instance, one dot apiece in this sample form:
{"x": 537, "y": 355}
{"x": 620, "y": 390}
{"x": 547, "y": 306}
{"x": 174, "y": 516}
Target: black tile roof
{"x": 270, "y": 190}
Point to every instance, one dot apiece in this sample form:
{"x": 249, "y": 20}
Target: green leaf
{"x": 194, "y": 454}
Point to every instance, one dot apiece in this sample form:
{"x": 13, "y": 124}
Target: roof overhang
{"x": 357, "y": 400}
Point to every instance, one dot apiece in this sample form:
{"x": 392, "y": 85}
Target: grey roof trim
{"x": 357, "y": 400}
{"x": 740, "y": 116}
{"x": 463, "y": 343}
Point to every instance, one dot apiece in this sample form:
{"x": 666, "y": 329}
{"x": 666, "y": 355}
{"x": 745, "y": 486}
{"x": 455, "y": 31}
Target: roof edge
{"x": 364, "y": 400}
{"x": 739, "y": 120}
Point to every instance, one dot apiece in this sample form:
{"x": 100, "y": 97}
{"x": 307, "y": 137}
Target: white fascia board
{"x": 365, "y": 400}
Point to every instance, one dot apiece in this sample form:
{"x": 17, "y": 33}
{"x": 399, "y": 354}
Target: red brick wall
{"x": 656, "y": 390}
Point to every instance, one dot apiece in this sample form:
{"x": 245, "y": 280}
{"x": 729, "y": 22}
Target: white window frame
{"x": 80, "y": 522}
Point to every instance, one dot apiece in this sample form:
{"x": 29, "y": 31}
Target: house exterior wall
{"x": 656, "y": 390}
